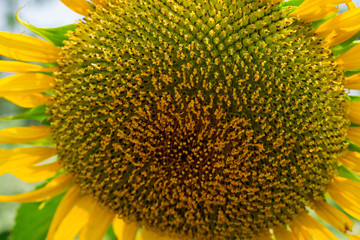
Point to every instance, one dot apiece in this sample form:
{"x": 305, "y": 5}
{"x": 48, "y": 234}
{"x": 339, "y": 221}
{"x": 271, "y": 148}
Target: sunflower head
{"x": 205, "y": 119}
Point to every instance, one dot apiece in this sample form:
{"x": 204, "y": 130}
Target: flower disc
{"x": 204, "y": 119}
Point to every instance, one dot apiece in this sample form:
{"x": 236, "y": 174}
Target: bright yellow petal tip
{"x": 25, "y": 84}
{"x": 79, "y": 6}
{"x": 341, "y": 27}
{"x": 24, "y": 134}
{"x": 312, "y": 10}
{"x": 27, "y": 48}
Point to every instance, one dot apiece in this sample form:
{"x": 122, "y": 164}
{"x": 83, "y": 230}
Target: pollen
{"x": 216, "y": 119}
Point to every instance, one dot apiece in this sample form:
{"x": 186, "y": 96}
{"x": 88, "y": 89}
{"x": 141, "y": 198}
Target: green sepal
{"x": 354, "y": 98}
{"x": 352, "y": 72}
{"x": 353, "y": 147}
{"x": 53, "y": 35}
{"x": 33, "y": 219}
{"x": 292, "y": 3}
{"x": 37, "y": 114}
{"x": 347, "y": 173}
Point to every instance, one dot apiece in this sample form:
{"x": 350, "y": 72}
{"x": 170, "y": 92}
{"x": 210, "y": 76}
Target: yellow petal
{"x": 23, "y": 157}
{"x": 75, "y": 219}
{"x": 312, "y": 10}
{"x": 314, "y": 228}
{"x": 353, "y": 82}
{"x": 34, "y": 174}
{"x": 24, "y": 134}
{"x": 341, "y": 27}
{"x": 97, "y": 2}
{"x": 53, "y": 188}
{"x": 26, "y": 48}
{"x": 351, "y": 5}
{"x": 350, "y": 59}
{"x": 352, "y": 161}
{"x": 71, "y": 196}
{"x": 79, "y": 6}
{"x": 100, "y": 221}
{"x": 281, "y": 233}
{"x": 346, "y": 194}
{"x": 21, "y": 67}
{"x": 334, "y": 216}
{"x": 30, "y": 100}
{"x": 125, "y": 231}
{"x": 300, "y": 231}
{"x": 354, "y": 112}
{"x": 25, "y": 83}
{"x": 353, "y": 134}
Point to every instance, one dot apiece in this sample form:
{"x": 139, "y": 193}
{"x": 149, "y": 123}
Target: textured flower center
{"x": 206, "y": 119}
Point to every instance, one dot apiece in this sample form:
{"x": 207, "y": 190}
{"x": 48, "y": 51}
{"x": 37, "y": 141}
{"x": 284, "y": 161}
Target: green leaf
{"x": 54, "y": 35}
{"x": 33, "y": 219}
{"x": 37, "y": 114}
{"x": 4, "y": 235}
{"x": 347, "y": 173}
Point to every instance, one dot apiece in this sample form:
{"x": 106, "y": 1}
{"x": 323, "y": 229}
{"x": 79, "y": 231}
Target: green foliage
{"x": 33, "y": 219}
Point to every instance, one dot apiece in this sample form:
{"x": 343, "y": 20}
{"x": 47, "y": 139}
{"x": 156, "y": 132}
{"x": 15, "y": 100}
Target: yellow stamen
{"x": 353, "y": 82}
{"x": 79, "y": 6}
{"x": 350, "y": 59}
{"x": 125, "y": 231}
{"x": 341, "y": 27}
{"x": 24, "y": 134}
{"x": 21, "y": 67}
{"x": 29, "y": 101}
{"x": 23, "y": 157}
{"x": 33, "y": 174}
{"x": 312, "y": 10}
{"x": 353, "y": 135}
{"x": 100, "y": 220}
{"x": 53, "y": 188}
{"x": 26, "y": 48}
{"x": 352, "y": 161}
{"x": 281, "y": 233}
{"x": 334, "y": 216}
{"x": 346, "y": 194}
{"x": 314, "y": 228}
{"x": 25, "y": 83}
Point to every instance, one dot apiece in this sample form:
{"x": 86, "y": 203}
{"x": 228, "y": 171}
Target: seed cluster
{"x": 205, "y": 119}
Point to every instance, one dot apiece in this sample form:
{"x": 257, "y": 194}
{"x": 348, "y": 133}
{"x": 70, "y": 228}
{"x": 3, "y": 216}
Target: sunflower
{"x": 181, "y": 119}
